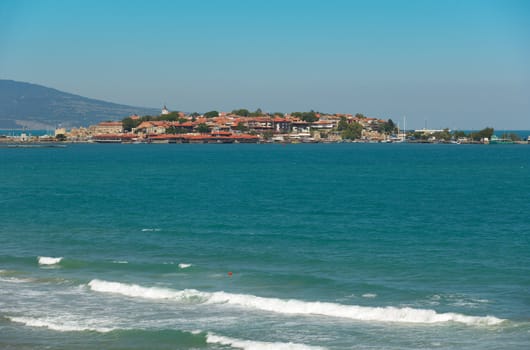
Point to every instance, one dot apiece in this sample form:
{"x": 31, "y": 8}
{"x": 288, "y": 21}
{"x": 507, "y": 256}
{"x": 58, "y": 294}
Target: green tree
{"x": 241, "y": 112}
{"x": 211, "y": 114}
{"x": 241, "y": 127}
{"x": 175, "y": 130}
{"x": 172, "y": 116}
{"x": 129, "y": 123}
{"x": 359, "y": 115}
{"x": 343, "y": 124}
{"x": 309, "y": 117}
{"x": 297, "y": 114}
{"x": 352, "y": 132}
{"x": 257, "y": 113}
{"x": 484, "y": 133}
{"x": 203, "y": 128}
{"x": 388, "y": 127}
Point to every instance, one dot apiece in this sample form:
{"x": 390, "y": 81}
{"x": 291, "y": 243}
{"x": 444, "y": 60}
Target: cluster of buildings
{"x": 242, "y": 126}
{"x": 228, "y": 128}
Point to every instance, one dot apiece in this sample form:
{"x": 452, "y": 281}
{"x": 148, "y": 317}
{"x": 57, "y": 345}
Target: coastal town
{"x": 244, "y": 126}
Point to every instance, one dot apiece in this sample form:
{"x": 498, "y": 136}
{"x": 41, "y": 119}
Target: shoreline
{"x": 10, "y": 143}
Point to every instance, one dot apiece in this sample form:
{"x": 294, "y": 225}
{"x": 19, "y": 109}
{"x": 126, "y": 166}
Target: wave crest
{"x": 46, "y": 260}
{"x": 58, "y": 325}
{"x": 353, "y": 312}
{"x": 136, "y": 291}
{"x": 256, "y": 345}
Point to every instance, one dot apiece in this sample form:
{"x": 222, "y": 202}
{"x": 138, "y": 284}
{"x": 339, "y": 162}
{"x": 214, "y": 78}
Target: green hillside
{"x": 35, "y": 106}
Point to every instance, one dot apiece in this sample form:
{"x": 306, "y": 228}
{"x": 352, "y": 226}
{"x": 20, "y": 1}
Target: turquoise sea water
{"x": 339, "y": 246}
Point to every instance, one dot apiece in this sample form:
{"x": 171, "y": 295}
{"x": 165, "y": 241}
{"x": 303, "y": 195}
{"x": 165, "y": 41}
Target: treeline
{"x": 446, "y": 135}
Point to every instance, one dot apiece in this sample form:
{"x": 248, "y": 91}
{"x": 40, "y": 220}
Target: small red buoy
{"x": 230, "y": 274}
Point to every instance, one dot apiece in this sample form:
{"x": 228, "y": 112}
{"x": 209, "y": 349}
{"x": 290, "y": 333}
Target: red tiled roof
{"x": 165, "y": 136}
{"x": 110, "y": 124}
{"x": 143, "y": 125}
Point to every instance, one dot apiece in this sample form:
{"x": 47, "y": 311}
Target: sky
{"x": 437, "y": 64}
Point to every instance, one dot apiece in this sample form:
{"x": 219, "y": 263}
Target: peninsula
{"x": 244, "y": 126}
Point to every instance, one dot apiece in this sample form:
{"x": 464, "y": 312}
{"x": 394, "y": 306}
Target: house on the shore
{"x": 151, "y": 127}
{"x": 106, "y": 128}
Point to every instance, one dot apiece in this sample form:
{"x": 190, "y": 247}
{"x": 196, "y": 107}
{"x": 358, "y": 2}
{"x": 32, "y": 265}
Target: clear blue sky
{"x": 457, "y": 64}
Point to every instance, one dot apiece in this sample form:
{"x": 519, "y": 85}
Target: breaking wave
{"x": 60, "y": 326}
{"x": 184, "y": 266}
{"x": 255, "y": 345}
{"x": 16, "y": 280}
{"x": 196, "y": 338}
{"x": 136, "y": 291}
{"x": 46, "y": 260}
{"x": 353, "y": 312}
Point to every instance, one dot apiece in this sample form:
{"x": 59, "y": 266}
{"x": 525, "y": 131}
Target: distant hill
{"x": 39, "y": 107}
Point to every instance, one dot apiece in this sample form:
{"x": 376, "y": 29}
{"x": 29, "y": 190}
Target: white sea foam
{"x": 369, "y": 295}
{"x": 46, "y": 260}
{"x": 120, "y": 262}
{"x": 184, "y": 266}
{"x": 353, "y": 312}
{"x": 16, "y": 280}
{"x": 136, "y": 291}
{"x": 256, "y": 345}
{"x": 150, "y": 230}
{"x": 56, "y": 325}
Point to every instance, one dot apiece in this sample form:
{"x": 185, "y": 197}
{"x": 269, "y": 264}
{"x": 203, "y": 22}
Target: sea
{"x": 267, "y": 246}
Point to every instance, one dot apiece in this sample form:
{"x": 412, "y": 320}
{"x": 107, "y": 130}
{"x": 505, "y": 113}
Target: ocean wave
{"x": 298, "y": 307}
{"x": 184, "y": 266}
{"x": 46, "y": 260}
{"x": 256, "y": 345}
{"x": 16, "y": 280}
{"x": 136, "y": 291}
{"x": 60, "y": 326}
{"x": 142, "y": 337}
